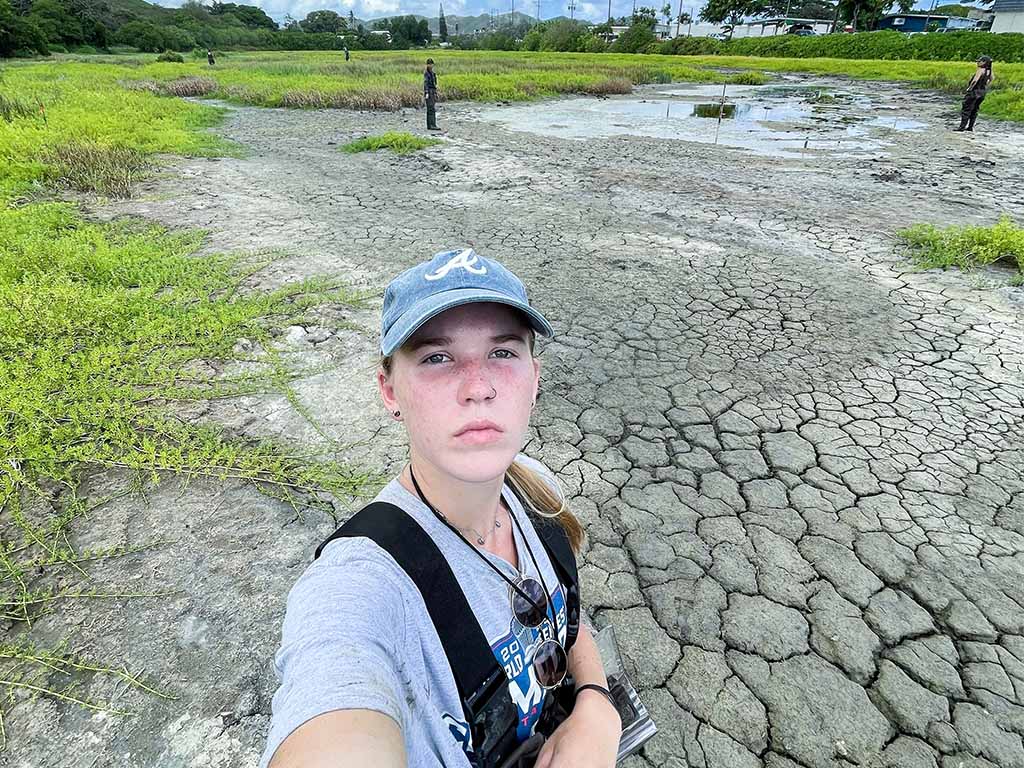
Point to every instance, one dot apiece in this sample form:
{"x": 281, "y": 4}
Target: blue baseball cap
{"x": 450, "y": 279}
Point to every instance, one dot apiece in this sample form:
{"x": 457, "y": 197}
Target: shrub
{"x": 886, "y": 44}
{"x": 171, "y": 56}
{"x": 692, "y": 46}
{"x": 592, "y": 44}
{"x": 398, "y": 142}
{"x": 966, "y": 247}
{"x": 635, "y": 39}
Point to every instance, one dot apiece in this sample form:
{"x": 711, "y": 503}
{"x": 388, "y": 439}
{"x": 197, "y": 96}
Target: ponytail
{"x": 545, "y": 502}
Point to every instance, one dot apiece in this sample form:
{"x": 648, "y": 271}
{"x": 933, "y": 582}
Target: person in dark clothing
{"x": 976, "y": 90}
{"x": 346, "y": 53}
{"x": 209, "y": 57}
{"x": 430, "y": 95}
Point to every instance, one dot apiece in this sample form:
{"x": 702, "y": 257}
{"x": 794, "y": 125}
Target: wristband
{"x": 601, "y": 689}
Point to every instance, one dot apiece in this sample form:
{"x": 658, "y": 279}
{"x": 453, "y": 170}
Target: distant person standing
{"x": 976, "y": 90}
{"x": 346, "y": 52}
{"x": 430, "y": 95}
{"x": 209, "y": 57}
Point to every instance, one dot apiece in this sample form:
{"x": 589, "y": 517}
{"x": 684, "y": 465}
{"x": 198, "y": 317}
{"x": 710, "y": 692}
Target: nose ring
{"x": 494, "y": 392}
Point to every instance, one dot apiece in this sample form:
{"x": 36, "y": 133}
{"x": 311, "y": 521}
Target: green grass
{"x": 101, "y": 330}
{"x": 398, "y": 142}
{"x": 389, "y": 79}
{"x": 393, "y": 79}
{"x": 1005, "y": 101}
{"x": 71, "y": 123}
{"x": 966, "y": 247}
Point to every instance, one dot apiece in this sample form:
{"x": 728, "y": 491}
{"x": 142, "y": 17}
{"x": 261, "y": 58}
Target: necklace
{"x": 479, "y": 537}
{"x": 479, "y": 554}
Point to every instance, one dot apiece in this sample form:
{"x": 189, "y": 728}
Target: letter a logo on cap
{"x": 466, "y": 260}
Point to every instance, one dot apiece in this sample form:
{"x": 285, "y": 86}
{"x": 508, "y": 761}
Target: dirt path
{"x": 799, "y": 463}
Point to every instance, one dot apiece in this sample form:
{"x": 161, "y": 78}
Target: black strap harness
{"x": 478, "y": 676}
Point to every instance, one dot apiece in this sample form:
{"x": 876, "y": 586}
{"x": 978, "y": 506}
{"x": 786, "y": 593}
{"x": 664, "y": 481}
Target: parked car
{"x": 801, "y": 31}
{"x": 719, "y": 36}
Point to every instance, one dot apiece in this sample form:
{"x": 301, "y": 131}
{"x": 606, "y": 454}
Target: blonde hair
{"x": 535, "y": 491}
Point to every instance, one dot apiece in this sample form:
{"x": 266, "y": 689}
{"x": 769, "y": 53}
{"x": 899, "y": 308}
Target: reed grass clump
{"x": 190, "y": 86}
{"x": 396, "y": 141}
{"x": 12, "y": 108}
{"x": 91, "y": 167}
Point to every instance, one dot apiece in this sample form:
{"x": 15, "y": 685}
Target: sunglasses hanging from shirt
{"x": 531, "y": 604}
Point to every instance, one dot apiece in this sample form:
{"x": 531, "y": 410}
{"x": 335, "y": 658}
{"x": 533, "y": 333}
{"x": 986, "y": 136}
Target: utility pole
{"x": 679, "y": 17}
{"x": 538, "y": 11}
{"x": 609, "y": 11}
{"x": 572, "y": 9}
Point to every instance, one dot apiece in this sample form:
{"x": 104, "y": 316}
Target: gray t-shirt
{"x": 357, "y": 635}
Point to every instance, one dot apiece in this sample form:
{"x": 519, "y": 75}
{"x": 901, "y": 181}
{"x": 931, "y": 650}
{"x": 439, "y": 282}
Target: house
{"x": 779, "y": 26}
{"x": 1009, "y": 16}
{"x": 983, "y": 17}
{"x": 924, "y": 22}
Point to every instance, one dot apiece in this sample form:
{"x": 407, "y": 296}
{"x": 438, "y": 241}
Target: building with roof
{"x": 1009, "y": 16}
{"x": 779, "y": 26}
{"x": 924, "y": 22}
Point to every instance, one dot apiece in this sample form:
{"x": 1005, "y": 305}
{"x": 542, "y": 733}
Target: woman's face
{"x": 465, "y": 384}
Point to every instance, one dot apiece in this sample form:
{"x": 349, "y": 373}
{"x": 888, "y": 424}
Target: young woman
{"x": 368, "y": 673}
{"x": 976, "y": 90}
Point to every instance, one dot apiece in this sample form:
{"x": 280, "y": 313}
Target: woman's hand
{"x": 588, "y": 738}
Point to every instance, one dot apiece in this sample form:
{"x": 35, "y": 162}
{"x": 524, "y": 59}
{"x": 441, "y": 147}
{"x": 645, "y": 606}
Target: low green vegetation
{"x": 884, "y": 45}
{"x": 966, "y": 247}
{"x": 373, "y": 80}
{"x": 104, "y": 331}
{"x": 72, "y": 124}
{"x": 398, "y": 142}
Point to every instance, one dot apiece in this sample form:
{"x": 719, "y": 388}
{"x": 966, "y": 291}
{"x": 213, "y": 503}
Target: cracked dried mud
{"x": 799, "y": 461}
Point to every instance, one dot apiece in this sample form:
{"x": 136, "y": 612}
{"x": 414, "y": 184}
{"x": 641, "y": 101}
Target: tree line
{"x": 31, "y": 27}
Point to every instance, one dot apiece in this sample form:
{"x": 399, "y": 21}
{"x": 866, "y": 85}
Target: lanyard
{"x": 491, "y": 565}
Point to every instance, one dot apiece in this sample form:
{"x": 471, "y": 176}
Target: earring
{"x": 397, "y": 414}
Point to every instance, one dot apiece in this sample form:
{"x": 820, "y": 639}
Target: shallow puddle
{"x": 779, "y": 120}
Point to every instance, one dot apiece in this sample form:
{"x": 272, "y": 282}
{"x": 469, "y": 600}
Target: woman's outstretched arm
{"x": 354, "y": 738}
